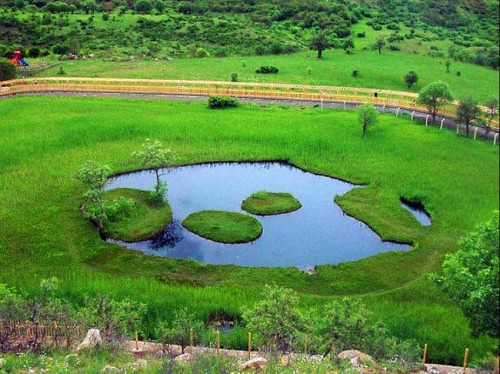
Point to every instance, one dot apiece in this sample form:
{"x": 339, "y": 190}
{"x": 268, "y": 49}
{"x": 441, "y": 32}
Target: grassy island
{"x": 136, "y": 218}
{"x": 265, "y": 203}
{"x": 223, "y": 227}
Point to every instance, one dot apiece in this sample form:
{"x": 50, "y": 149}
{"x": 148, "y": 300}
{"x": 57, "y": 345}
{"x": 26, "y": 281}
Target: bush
{"x": 119, "y": 208}
{"x": 34, "y": 52}
{"x": 7, "y": 70}
{"x": 234, "y": 77}
{"x": 221, "y": 102}
{"x": 267, "y": 70}
{"x": 201, "y": 53}
{"x": 361, "y": 34}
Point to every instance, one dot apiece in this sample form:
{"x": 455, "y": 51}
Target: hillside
{"x": 466, "y": 30}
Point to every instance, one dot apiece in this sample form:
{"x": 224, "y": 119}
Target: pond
{"x": 318, "y": 233}
{"x": 418, "y": 212}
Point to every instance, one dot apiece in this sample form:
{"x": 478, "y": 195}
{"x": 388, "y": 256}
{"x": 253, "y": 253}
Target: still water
{"x": 318, "y": 233}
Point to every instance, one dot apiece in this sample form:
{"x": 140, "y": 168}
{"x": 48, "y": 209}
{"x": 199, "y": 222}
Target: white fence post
{"x": 383, "y": 108}
{"x": 427, "y": 120}
{"x": 344, "y": 104}
{"x": 475, "y": 133}
{"x": 397, "y": 112}
{"x": 495, "y": 139}
{"x": 321, "y": 103}
{"x": 442, "y": 122}
{"x": 412, "y": 114}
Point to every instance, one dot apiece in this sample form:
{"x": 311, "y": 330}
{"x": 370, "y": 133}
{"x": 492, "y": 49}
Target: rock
{"x": 92, "y": 339}
{"x": 310, "y": 270}
{"x": 433, "y": 370}
{"x": 351, "y": 354}
{"x": 185, "y": 357}
{"x": 2, "y": 362}
{"x": 138, "y": 364}
{"x": 110, "y": 369}
{"x": 257, "y": 363}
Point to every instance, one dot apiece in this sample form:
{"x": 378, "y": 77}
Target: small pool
{"x": 418, "y": 212}
{"x": 318, "y": 233}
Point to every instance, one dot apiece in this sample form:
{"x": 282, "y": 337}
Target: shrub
{"x": 361, "y": 34}
{"x": 221, "y": 102}
{"x": 355, "y": 73}
{"x": 119, "y": 208}
{"x": 201, "y": 53}
{"x": 234, "y": 77}
{"x": 267, "y": 70}
{"x": 34, "y": 52}
{"x": 7, "y": 70}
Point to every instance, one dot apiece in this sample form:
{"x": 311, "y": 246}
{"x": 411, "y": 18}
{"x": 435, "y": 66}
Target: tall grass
{"x": 44, "y": 140}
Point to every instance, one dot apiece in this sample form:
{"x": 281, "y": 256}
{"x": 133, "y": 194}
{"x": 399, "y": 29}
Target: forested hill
{"x": 463, "y": 29}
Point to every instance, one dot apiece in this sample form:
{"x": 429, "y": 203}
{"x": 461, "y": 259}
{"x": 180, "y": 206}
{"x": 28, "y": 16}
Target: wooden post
{"x": 305, "y": 345}
{"x": 54, "y": 327}
{"x": 424, "y": 357}
{"x": 191, "y": 340}
{"x": 136, "y": 341}
{"x": 249, "y": 344}
{"x": 496, "y": 369}
{"x": 466, "y": 359}
{"x": 217, "y": 338}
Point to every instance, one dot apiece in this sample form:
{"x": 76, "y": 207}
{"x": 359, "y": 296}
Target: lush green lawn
{"x": 375, "y": 71}
{"x": 44, "y": 140}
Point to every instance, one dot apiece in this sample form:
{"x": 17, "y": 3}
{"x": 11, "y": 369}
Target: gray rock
{"x": 353, "y": 353}
{"x": 110, "y": 369}
{"x": 186, "y": 357}
{"x": 92, "y": 339}
{"x": 257, "y": 363}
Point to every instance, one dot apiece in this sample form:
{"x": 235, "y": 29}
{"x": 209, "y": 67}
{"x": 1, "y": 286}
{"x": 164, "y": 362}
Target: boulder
{"x": 185, "y": 357}
{"x": 355, "y": 354}
{"x": 110, "y": 369}
{"x": 92, "y": 339}
{"x": 257, "y": 363}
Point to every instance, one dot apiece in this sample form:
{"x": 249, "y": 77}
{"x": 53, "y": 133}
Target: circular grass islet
{"x": 223, "y": 227}
{"x": 145, "y": 221}
{"x": 265, "y": 203}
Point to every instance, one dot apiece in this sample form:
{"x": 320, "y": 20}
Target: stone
{"x": 185, "y": 357}
{"x": 433, "y": 370}
{"x": 351, "y": 354}
{"x": 92, "y": 339}
{"x": 257, "y": 363}
{"x": 2, "y": 362}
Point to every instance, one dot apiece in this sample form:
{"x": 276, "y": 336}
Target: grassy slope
{"x": 44, "y": 140}
{"x": 376, "y": 71}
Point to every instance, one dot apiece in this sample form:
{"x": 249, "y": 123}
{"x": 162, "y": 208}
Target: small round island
{"x": 265, "y": 203}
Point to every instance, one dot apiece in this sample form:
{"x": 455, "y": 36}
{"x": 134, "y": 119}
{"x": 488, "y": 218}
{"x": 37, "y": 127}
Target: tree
{"x": 154, "y": 156}
{"x": 379, "y": 44}
{"x": 320, "y": 41}
{"x": 492, "y": 104}
{"x": 180, "y": 329}
{"x": 467, "y": 111}
{"x": 367, "y": 116}
{"x": 410, "y": 78}
{"x": 470, "y": 278}
{"x": 275, "y": 319}
{"x": 94, "y": 176}
{"x": 7, "y": 70}
{"x": 448, "y": 65}
{"x": 434, "y": 96}
{"x": 61, "y": 50}
{"x": 143, "y": 6}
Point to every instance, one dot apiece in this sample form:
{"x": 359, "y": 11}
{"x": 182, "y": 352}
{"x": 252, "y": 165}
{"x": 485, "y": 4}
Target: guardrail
{"x": 356, "y": 95}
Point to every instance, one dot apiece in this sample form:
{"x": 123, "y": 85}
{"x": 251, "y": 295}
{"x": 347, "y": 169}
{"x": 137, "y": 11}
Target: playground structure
{"x": 18, "y": 59}
{"x": 398, "y": 100}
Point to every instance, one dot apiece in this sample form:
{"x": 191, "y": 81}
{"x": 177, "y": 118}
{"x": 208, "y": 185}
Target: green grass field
{"x": 44, "y": 140}
{"x": 375, "y": 71}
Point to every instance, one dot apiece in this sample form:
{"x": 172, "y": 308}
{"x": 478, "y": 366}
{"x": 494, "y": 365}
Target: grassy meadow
{"x": 44, "y": 140}
{"x": 375, "y": 71}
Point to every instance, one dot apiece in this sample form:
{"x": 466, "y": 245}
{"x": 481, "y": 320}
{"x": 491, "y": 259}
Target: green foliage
{"x": 434, "y": 96}
{"x": 348, "y": 46}
{"x": 179, "y": 330}
{"x": 143, "y": 6}
{"x": 471, "y": 277}
{"x": 492, "y": 104}
{"x": 411, "y": 78}
{"x": 379, "y": 44}
{"x": 7, "y": 70}
{"x": 201, "y": 53}
{"x": 34, "y": 52}
{"x": 154, "y": 156}
{"x": 222, "y": 102}
{"x": 320, "y": 41}
{"x": 467, "y": 111}
{"x": 234, "y": 77}
{"x": 367, "y": 116}
{"x": 119, "y": 208}
{"x": 275, "y": 319}
{"x": 267, "y": 70}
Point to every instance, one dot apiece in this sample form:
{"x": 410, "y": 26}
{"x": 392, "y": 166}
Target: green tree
{"x": 154, "y": 156}
{"x": 448, "y": 65}
{"x": 143, "y": 6}
{"x": 94, "y": 176}
{"x": 379, "y": 44}
{"x": 467, "y": 111}
{"x": 320, "y": 41}
{"x": 367, "y": 116}
{"x": 470, "y": 277}
{"x": 492, "y": 104}
{"x": 61, "y": 50}
{"x": 348, "y": 46}
{"x": 411, "y": 78}
{"x": 180, "y": 329}
{"x": 7, "y": 70}
{"x": 275, "y": 319}
{"x": 434, "y": 96}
